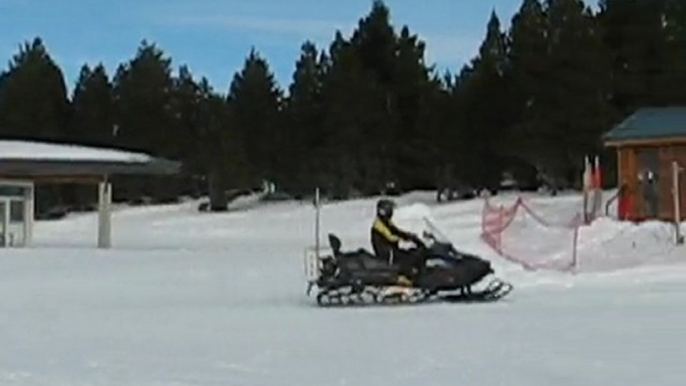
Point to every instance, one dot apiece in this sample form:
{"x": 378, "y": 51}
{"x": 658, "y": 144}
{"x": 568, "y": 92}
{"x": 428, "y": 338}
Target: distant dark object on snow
{"x": 54, "y": 213}
{"x": 458, "y": 191}
{"x": 231, "y": 195}
{"x": 391, "y": 188}
{"x": 204, "y": 206}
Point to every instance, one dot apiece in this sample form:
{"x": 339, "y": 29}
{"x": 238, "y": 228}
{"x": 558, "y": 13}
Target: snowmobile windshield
{"x": 437, "y": 234}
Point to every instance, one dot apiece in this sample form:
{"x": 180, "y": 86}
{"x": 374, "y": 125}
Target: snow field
{"x": 189, "y": 298}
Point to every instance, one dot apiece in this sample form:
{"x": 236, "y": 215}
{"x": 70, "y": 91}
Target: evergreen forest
{"x": 367, "y": 111}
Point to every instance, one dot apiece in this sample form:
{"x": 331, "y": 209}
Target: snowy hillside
{"x": 189, "y": 298}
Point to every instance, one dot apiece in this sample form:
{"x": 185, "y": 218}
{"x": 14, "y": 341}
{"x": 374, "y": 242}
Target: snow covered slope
{"x": 188, "y": 298}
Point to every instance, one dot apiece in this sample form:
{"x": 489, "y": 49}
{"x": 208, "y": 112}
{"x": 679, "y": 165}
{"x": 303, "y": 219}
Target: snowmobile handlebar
{"x": 428, "y": 235}
{"x": 417, "y": 241}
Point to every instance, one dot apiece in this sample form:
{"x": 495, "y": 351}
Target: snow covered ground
{"x": 189, "y": 298}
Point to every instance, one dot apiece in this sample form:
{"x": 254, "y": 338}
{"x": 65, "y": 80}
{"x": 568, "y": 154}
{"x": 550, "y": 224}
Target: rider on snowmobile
{"x": 386, "y": 238}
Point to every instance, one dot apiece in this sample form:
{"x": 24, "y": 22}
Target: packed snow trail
{"x": 188, "y": 298}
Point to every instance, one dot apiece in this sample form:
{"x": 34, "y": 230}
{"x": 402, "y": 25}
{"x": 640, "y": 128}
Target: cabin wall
{"x": 626, "y": 162}
{"x": 632, "y": 161}
{"x": 667, "y": 156}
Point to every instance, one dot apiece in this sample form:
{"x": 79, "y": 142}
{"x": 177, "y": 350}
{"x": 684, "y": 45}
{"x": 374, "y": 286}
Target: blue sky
{"x": 213, "y": 37}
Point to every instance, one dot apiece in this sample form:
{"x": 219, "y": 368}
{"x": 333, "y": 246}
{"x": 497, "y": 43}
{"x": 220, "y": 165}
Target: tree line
{"x": 368, "y": 110}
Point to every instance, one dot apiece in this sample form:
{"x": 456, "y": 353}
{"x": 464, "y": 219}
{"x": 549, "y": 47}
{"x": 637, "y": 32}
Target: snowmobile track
{"x": 407, "y": 296}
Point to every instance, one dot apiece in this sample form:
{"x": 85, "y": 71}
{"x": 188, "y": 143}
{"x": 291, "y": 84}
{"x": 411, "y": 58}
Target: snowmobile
{"x": 359, "y": 277}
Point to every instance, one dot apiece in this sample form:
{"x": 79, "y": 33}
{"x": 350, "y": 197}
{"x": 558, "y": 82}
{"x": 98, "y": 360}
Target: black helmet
{"x": 384, "y": 208}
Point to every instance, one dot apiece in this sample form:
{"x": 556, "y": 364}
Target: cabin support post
{"x": 104, "y": 214}
{"x": 676, "y": 194}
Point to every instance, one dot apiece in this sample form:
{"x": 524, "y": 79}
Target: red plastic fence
{"x": 498, "y": 220}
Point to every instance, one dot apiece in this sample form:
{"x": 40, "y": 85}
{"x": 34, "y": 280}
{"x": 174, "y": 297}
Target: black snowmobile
{"x": 360, "y": 277}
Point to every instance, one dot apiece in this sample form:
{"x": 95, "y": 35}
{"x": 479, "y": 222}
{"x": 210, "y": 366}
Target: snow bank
{"x": 540, "y": 236}
{"x": 608, "y": 244}
{"x": 245, "y": 202}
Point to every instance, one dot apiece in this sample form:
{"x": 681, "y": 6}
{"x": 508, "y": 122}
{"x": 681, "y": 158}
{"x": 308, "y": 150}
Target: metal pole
{"x": 586, "y": 186}
{"x": 575, "y": 243}
{"x": 316, "y": 223}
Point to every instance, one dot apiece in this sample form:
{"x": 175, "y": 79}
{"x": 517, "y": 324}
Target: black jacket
{"x": 386, "y": 236}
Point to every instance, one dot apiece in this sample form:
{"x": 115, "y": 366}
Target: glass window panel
{"x": 13, "y": 191}
{"x": 17, "y": 211}
{"x": 2, "y": 224}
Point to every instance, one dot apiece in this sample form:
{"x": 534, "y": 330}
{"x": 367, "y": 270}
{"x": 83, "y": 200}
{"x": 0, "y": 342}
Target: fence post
{"x": 575, "y": 242}
{"x": 501, "y": 224}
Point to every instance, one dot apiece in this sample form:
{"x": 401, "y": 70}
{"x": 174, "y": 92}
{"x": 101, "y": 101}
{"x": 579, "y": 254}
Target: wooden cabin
{"x": 648, "y": 143}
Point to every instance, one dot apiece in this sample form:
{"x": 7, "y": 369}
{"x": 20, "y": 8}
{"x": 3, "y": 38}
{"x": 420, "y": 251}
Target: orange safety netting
{"x": 523, "y": 236}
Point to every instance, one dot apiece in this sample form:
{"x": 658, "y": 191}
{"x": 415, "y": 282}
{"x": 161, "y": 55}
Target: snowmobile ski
{"x": 496, "y": 290}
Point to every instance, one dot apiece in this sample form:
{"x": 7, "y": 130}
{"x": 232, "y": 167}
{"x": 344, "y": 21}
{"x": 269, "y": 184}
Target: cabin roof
{"x": 35, "y": 159}
{"x": 662, "y": 123}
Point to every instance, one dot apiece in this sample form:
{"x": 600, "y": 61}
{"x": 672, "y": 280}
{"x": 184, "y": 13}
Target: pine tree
{"x": 143, "y": 96}
{"x": 634, "y": 33}
{"x": 482, "y": 100}
{"x": 145, "y": 120}
{"x": 375, "y": 43}
{"x": 33, "y": 96}
{"x": 576, "y": 109}
{"x": 354, "y": 111}
{"x": 224, "y": 155}
{"x": 255, "y": 103}
{"x": 529, "y": 72}
{"x": 415, "y": 113}
{"x": 673, "y": 85}
{"x": 34, "y": 106}
{"x": 435, "y": 152}
{"x": 92, "y": 119}
{"x": 303, "y": 119}
{"x": 188, "y": 97}
{"x": 90, "y": 123}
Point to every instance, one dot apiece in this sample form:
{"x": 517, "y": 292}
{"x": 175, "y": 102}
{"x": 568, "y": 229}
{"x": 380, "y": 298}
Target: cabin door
{"x": 649, "y": 182}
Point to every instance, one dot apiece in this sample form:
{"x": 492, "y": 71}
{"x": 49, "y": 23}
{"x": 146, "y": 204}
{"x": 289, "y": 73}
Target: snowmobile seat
{"x": 361, "y": 258}
{"x": 335, "y": 244}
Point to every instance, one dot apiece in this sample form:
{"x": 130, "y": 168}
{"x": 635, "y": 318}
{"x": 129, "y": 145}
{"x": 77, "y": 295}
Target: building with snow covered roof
{"x": 651, "y": 155}
{"x": 24, "y": 163}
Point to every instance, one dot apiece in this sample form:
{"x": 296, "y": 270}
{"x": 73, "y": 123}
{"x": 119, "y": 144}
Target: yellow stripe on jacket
{"x": 380, "y": 227}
